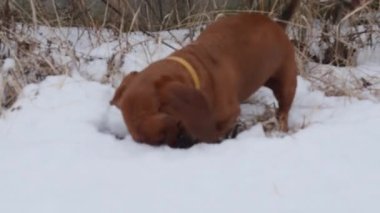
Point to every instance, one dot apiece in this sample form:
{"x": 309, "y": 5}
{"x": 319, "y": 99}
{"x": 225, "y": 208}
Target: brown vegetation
{"x": 328, "y": 32}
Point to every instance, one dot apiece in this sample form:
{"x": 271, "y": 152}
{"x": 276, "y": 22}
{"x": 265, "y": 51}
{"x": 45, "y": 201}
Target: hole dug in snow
{"x": 112, "y": 123}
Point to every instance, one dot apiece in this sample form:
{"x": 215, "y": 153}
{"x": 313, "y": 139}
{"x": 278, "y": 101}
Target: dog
{"x": 194, "y": 94}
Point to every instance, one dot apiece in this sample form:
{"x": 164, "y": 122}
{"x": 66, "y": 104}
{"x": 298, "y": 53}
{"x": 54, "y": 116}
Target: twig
{"x": 112, "y": 7}
{"x": 163, "y": 42}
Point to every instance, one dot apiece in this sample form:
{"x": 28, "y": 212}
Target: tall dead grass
{"x": 329, "y": 32}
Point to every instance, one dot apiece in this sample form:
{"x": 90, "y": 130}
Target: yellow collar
{"x": 189, "y": 69}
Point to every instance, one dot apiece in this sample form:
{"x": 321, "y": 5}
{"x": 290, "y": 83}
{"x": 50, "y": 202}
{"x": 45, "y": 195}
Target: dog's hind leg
{"x": 284, "y": 88}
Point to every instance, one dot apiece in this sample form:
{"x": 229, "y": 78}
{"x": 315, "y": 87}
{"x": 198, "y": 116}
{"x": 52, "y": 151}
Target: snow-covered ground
{"x": 59, "y": 153}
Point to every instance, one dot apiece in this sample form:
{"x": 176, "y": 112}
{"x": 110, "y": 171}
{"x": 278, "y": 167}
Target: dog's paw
{"x": 270, "y": 125}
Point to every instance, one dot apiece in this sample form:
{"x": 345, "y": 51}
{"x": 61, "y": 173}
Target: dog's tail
{"x": 288, "y": 13}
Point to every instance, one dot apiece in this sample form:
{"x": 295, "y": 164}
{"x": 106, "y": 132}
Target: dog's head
{"x": 140, "y": 106}
{"x": 155, "y": 109}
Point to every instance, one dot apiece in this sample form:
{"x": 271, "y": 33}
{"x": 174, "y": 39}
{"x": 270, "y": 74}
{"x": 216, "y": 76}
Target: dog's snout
{"x": 184, "y": 141}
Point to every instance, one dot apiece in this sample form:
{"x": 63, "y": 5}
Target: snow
{"x": 59, "y": 152}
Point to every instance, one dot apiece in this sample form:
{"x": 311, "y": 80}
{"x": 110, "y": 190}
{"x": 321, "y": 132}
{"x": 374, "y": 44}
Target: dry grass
{"x": 30, "y": 66}
{"x": 329, "y": 32}
{"x": 337, "y": 30}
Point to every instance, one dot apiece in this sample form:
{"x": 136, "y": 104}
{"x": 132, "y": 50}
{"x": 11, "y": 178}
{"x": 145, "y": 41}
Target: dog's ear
{"x": 191, "y": 108}
{"x": 123, "y": 87}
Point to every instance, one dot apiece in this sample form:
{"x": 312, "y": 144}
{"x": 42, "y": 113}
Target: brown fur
{"x": 233, "y": 58}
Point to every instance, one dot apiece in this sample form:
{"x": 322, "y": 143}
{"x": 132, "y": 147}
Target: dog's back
{"x": 251, "y": 45}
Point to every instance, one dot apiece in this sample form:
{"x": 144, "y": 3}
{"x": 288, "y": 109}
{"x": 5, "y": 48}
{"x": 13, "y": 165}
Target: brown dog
{"x": 197, "y": 90}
